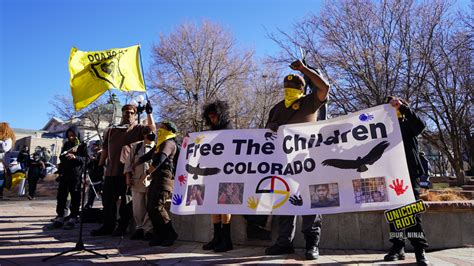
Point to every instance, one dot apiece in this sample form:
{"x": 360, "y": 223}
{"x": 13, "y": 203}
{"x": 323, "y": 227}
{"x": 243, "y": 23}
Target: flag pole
{"x": 113, "y": 106}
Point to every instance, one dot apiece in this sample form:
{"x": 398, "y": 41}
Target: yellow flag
{"x": 93, "y": 73}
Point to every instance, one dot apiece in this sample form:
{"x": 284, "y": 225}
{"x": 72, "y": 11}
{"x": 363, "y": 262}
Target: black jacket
{"x": 24, "y": 157}
{"x": 221, "y": 126}
{"x": 411, "y": 126}
{"x": 73, "y": 167}
{"x": 96, "y": 172}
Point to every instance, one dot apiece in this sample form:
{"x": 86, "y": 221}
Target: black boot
{"x": 311, "y": 248}
{"x": 138, "y": 235}
{"x": 170, "y": 234}
{"x": 421, "y": 257}
{"x": 396, "y": 253}
{"x": 226, "y": 242}
{"x": 279, "y": 250}
{"x": 215, "y": 239}
{"x": 102, "y": 231}
{"x": 256, "y": 232}
{"x": 158, "y": 236}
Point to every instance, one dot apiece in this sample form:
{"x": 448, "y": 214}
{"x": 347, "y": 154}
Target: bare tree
{"x": 368, "y": 49}
{"x": 193, "y": 65}
{"x": 448, "y": 95}
{"x": 94, "y": 117}
{"x": 415, "y": 50}
{"x": 267, "y": 90}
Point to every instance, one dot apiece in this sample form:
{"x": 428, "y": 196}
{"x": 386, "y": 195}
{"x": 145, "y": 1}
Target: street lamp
{"x": 138, "y": 102}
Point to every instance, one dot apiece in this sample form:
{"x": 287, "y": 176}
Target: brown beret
{"x": 294, "y": 81}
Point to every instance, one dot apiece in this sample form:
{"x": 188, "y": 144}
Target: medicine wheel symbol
{"x": 274, "y": 185}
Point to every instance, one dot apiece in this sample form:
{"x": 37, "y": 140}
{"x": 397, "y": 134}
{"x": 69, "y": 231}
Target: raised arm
{"x": 321, "y": 84}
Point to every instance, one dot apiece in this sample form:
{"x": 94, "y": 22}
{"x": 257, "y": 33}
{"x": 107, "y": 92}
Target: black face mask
{"x": 151, "y": 136}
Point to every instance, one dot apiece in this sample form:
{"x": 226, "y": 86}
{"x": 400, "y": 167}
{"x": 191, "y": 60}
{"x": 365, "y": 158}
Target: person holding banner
{"x": 115, "y": 138}
{"x": 411, "y": 125}
{"x": 298, "y": 108}
{"x": 161, "y": 186}
{"x": 216, "y": 116}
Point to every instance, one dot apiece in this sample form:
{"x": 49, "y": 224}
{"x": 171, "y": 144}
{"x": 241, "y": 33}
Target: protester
{"x": 161, "y": 186}
{"x": 96, "y": 174}
{"x": 35, "y": 172}
{"x": 143, "y": 225}
{"x": 7, "y": 141}
{"x": 73, "y": 156}
{"x": 298, "y": 108}
{"x": 216, "y": 116}
{"x": 114, "y": 183}
{"x": 411, "y": 125}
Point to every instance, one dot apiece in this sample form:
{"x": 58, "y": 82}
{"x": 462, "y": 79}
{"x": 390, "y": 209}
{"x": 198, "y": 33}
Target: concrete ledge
{"x": 446, "y": 225}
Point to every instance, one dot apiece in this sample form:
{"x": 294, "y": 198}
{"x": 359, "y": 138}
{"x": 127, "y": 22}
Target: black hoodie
{"x": 73, "y": 167}
{"x": 411, "y": 125}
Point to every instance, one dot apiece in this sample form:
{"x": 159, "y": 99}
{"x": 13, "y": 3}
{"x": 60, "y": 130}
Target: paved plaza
{"x": 25, "y": 241}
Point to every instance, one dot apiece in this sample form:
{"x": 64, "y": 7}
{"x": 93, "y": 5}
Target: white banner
{"x": 351, "y": 163}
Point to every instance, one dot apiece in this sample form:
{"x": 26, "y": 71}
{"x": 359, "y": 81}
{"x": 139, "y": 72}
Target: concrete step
{"x": 468, "y": 187}
{"x": 468, "y": 194}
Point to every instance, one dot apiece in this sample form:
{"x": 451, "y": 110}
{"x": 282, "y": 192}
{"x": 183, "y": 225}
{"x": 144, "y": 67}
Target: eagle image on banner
{"x": 351, "y": 163}
{"x": 93, "y": 73}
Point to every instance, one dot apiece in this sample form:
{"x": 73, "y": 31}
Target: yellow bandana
{"x": 291, "y": 95}
{"x": 163, "y": 135}
{"x": 399, "y": 115}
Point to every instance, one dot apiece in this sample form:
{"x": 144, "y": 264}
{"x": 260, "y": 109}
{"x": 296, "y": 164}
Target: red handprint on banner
{"x": 185, "y": 142}
{"x": 397, "y": 185}
{"x": 182, "y": 180}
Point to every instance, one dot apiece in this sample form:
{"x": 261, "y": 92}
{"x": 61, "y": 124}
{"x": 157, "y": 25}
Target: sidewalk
{"x": 24, "y": 241}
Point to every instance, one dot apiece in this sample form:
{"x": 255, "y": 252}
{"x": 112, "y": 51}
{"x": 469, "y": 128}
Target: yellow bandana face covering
{"x": 163, "y": 135}
{"x": 399, "y": 115}
{"x": 291, "y": 95}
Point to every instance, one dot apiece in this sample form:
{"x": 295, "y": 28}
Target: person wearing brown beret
{"x": 161, "y": 173}
{"x": 298, "y": 108}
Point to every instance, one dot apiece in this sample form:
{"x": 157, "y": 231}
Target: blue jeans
{"x": 2, "y": 181}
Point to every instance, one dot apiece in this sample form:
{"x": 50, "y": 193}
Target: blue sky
{"x": 37, "y": 36}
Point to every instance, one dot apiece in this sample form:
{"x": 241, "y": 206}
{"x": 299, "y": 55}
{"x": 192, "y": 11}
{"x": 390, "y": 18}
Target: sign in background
{"x": 352, "y": 163}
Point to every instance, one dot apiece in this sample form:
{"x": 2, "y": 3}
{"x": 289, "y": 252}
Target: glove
{"x": 148, "y": 108}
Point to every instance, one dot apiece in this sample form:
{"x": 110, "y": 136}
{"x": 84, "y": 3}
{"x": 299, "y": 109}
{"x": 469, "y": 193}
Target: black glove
{"x": 148, "y": 108}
